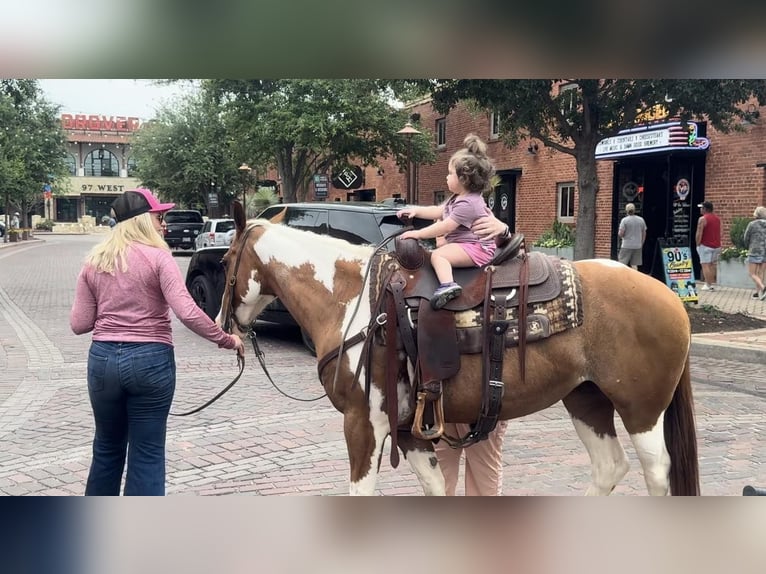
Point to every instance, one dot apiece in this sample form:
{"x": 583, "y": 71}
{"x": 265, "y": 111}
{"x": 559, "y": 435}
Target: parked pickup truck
{"x": 357, "y": 223}
{"x": 183, "y": 226}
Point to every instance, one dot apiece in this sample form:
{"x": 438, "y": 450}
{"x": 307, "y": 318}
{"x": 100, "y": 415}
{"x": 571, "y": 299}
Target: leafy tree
{"x": 572, "y": 116}
{"x": 32, "y": 145}
{"x": 303, "y": 127}
{"x": 185, "y": 154}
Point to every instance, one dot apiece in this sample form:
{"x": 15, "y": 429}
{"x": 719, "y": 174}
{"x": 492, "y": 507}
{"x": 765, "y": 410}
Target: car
{"x": 356, "y": 222}
{"x": 182, "y": 227}
{"x": 215, "y": 232}
{"x": 2, "y": 228}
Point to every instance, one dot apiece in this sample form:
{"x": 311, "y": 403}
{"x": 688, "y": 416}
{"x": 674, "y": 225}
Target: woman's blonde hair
{"x": 472, "y": 166}
{"x": 139, "y": 229}
{"x": 760, "y": 212}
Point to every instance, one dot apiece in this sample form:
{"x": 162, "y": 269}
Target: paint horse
{"x": 630, "y": 355}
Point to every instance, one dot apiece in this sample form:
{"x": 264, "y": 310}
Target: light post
{"x": 244, "y": 171}
{"x": 408, "y": 131}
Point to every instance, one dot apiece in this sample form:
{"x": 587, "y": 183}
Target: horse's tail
{"x": 681, "y": 439}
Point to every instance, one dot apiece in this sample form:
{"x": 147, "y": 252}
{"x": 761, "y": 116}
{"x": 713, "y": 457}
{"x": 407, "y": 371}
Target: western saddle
{"x": 432, "y": 340}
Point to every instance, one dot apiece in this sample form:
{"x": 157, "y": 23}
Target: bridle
{"x": 249, "y": 333}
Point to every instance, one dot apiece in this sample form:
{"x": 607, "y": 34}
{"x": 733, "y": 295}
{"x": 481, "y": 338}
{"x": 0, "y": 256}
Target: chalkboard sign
{"x": 679, "y": 270}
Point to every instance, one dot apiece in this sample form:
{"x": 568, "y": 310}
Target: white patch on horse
{"x": 609, "y": 464}
{"x": 288, "y": 246}
{"x": 380, "y": 429}
{"x": 425, "y": 467}
{"x": 606, "y": 262}
{"x": 253, "y": 297}
{"x": 654, "y": 457}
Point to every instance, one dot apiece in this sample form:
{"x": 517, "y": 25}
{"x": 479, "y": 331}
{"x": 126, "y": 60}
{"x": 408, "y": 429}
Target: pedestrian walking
{"x": 123, "y": 295}
{"x": 632, "y": 231}
{"x": 708, "y": 240}
{"x": 755, "y": 239}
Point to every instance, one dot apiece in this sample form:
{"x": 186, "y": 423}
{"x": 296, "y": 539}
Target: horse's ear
{"x": 239, "y": 217}
{"x": 279, "y": 217}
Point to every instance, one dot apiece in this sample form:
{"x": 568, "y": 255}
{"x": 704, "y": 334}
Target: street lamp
{"x": 244, "y": 171}
{"x": 408, "y": 131}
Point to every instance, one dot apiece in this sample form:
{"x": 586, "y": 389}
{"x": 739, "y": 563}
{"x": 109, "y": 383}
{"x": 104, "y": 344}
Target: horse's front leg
{"x": 364, "y": 442}
{"x": 422, "y": 458}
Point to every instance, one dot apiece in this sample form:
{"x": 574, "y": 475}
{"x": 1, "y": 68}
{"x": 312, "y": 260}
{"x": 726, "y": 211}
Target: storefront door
{"x": 502, "y": 201}
{"x": 665, "y": 190}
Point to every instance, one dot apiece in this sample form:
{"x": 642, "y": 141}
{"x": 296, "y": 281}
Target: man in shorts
{"x": 708, "y": 239}
{"x": 633, "y": 234}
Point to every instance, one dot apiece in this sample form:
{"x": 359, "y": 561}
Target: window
{"x": 71, "y": 164}
{"x": 131, "y": 166}
{"x": 441, "y": 133}
{"x": 101, "y": 162}
{"x": 566, "y": 202}
{"x": 569, "y": 95}
{"x": 494, "y": 125}
{"x": 439, "y": 197}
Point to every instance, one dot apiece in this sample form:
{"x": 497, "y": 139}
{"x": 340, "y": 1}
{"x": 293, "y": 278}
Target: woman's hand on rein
{"x": 240, "y": 348}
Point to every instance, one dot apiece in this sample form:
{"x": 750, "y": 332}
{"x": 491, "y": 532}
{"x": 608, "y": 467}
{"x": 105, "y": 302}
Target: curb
{"x": 727, "y": 351}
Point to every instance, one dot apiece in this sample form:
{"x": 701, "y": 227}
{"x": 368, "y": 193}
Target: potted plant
{"x": 558, "y": 240}
{"x": 13, "y": 235}
{"x": 732, "y": 269}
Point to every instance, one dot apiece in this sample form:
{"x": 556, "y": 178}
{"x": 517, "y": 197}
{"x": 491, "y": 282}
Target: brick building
{"x": 100, "y": 166}
{"x": 664, "y": 175}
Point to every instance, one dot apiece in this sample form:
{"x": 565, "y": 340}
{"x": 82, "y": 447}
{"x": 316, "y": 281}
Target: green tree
{"x": 185, "y": 153}
{"x": 572, "y": 116}
{"x": 32, "y": 145}
{"x": 303, "y": 127}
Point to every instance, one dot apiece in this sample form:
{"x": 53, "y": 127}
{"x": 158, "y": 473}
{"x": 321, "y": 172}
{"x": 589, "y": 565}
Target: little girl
{"x": 468, "y": 176}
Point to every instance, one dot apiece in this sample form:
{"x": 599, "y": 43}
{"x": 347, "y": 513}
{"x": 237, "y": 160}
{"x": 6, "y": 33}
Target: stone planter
{"x": 733, "y": 273}
{"x": 13, "y": 237}
{"x": 562, "y": 252}
{"x": 24, "y": 235}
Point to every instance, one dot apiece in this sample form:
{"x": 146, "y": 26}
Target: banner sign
{"x": 679, "y": 272}
{"x": 670, "y": 136}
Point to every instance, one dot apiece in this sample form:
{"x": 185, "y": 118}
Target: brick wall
{"x": 732, "y": 181}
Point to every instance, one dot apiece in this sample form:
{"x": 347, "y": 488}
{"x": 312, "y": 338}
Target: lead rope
{"x": 241, "y": 362}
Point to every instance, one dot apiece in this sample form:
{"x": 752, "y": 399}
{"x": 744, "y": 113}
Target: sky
{"x": 124, "y": 97}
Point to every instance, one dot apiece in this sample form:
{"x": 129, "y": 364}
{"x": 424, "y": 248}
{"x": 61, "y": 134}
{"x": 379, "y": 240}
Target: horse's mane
{"x": 325, "y": 243}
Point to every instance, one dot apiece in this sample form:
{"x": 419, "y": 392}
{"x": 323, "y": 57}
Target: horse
{"x": 630, "y": 355}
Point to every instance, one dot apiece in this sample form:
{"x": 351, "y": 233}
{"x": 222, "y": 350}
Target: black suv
{"x": 358, "y": 223}
{"x": 183, "y": 226}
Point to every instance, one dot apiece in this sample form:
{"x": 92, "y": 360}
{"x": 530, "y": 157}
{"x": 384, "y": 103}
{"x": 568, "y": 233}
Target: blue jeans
{"x": 131, "y": 387}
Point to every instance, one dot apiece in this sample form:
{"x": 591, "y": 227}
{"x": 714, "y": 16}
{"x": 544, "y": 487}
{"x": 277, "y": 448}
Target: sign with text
{"x": 679, "y": 272}
{"x": 670, "y": 136}
{"x": 99, "y": 123}
{"x": 321, "y": 185}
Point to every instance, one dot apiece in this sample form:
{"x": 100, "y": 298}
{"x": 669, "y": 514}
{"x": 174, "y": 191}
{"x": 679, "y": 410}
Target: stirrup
{"x": 437, "y": 430}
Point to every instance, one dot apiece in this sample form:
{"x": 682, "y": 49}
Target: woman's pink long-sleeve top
{"x": 134, "y": 306}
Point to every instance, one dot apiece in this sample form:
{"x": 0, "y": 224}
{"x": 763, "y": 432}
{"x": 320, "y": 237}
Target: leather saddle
{"x": 543, "y": 281}
{"x": 431, "y": 339}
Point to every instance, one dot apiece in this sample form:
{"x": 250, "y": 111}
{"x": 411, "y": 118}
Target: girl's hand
{"x": 412, "y": 234}
{"x": 406, "y": 213}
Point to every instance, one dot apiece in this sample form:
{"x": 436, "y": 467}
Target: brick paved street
{"x": 254, "y": 440}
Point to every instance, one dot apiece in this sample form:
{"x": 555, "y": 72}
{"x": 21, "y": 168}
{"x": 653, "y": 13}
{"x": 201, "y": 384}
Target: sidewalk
{"x": 747, "y": 346}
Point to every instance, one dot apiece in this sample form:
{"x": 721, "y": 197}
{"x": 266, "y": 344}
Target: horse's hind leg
{"x": 654, "y": 457}
{"x": 422, "y": 458}
{"x": 593, "y": 418}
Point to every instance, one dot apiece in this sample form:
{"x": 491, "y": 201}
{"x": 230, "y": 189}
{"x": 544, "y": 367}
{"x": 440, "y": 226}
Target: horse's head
{"x": 247, "y": 291}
